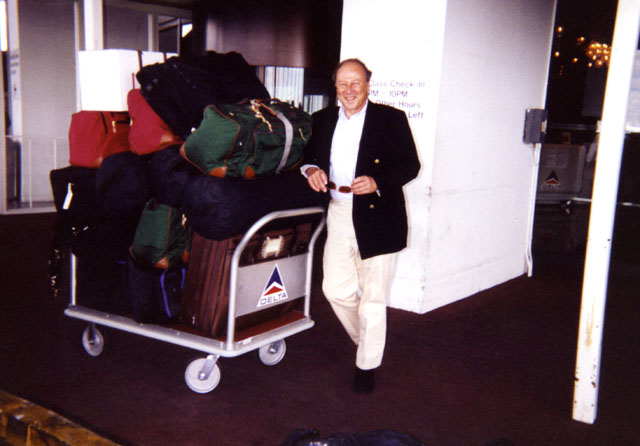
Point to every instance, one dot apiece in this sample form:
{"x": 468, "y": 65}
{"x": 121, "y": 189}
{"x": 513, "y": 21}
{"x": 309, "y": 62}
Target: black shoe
{"x": 364, "y": 381}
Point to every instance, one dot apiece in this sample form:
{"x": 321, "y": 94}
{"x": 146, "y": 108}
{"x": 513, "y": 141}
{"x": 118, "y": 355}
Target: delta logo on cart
{"x": 274, "y": 291}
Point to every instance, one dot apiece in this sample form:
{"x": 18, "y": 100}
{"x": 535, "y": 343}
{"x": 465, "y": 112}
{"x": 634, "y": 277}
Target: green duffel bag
{"x": 162, "y": 238}
{"x": 248, "y": 140}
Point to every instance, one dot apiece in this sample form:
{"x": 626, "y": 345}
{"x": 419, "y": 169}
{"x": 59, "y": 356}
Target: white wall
{"x": 469, "y": 208}
{"x": 43, "y": 83}
{"x": 402, "y": 44}
{"x": 495, "y": 66}
{"x": 125, "y": 28}
{"x": 46, "y": 59}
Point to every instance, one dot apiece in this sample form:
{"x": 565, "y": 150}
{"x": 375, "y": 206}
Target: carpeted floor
{"x": 496, "y": 368}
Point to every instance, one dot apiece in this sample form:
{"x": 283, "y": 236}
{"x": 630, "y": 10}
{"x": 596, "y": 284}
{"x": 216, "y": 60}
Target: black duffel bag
{"x": 123, "y": 185}
{"x": 219, "y": 208}
{"x": 180, "y": 88}
{"x": 170, "y": 174}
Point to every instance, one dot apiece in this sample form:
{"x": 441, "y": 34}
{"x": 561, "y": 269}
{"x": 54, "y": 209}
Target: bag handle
{"x": 288, "y": 129}
{"x": 255, "y": 106}
{"x": 133, "y": 75}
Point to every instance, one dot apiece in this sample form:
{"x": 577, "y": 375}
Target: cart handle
{"x": 235, "y": 260}
{"x": 275, "y": 216}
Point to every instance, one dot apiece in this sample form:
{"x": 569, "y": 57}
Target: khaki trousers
{"x": 356, "y": 289}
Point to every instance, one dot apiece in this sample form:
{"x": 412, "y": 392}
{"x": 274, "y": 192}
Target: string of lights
{"x": 593, "y": 54}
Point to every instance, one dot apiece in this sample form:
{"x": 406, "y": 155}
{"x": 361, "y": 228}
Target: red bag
{"x": 94, "y": 135}
{"x": 148, "y": 132}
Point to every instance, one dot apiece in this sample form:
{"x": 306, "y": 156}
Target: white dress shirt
{"x": 344, "y": 151}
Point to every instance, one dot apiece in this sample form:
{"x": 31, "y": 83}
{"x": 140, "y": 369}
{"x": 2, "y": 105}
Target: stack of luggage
{"x": 157, "y": 197}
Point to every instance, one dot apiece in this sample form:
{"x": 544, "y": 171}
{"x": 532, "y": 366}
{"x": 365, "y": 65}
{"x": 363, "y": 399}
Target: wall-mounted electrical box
{"x": 535, "y": 125}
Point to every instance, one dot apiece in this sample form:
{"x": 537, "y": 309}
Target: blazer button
{"x": 371, "y": 206}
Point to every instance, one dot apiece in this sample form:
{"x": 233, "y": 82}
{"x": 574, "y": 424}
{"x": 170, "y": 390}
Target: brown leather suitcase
{"x": 205, "y": 297}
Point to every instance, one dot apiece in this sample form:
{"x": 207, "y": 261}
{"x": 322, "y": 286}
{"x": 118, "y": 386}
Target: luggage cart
{"x": 203, "y": 375}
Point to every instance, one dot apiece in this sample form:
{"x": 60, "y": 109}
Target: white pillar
{"x": 603, "y": 206}
{"x": 93, "y": 25}
{"x": 152, "y": 32}
{"x": 406, "y": 60}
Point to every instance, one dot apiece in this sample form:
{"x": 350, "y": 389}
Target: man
{"x": 362, "y": 153}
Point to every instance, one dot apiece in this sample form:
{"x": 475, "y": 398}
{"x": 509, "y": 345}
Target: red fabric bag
{"x": 148, "y": 132}
{"x": 94, "y": 135}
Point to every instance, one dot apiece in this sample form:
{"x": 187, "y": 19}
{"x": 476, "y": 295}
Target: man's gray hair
{"x": 367, "y": 71}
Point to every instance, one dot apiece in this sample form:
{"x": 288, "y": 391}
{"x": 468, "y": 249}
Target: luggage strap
{"x": 288, "y": 130}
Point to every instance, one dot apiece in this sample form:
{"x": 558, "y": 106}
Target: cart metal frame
{"x": 203, "y": 375}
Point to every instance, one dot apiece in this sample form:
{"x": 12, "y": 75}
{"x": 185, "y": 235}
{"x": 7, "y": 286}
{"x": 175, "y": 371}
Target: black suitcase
{"x": 155, "y": 294}
{"x": 83, "y": 227}
{"x": 82, "y": 221}
{"x": 74, "y": 196}
{"x": 100, "y": 284}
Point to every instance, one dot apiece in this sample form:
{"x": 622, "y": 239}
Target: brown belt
{"x": 343, "y": 189}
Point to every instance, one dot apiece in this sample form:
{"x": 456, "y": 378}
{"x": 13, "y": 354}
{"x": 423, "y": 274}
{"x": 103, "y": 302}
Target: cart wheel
{"x": 197, "y": 378}
{"x": 273, "y": 353}
{"x": 93, "y": 341}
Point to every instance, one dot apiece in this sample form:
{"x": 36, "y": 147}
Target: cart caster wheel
{"x": 273, "y": 353}
{"x": 93, "y": 341}
{"x": 197, "y": 377}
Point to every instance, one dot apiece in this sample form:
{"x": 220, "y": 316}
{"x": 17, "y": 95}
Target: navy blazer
{"x": 388, "y": 154}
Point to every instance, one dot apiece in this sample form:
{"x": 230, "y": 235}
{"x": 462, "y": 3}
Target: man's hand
{"x": 364, "y": 185}
{"x": 317, "y": 179}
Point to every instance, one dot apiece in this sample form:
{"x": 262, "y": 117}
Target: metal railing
{"x": 25, "y": 166}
